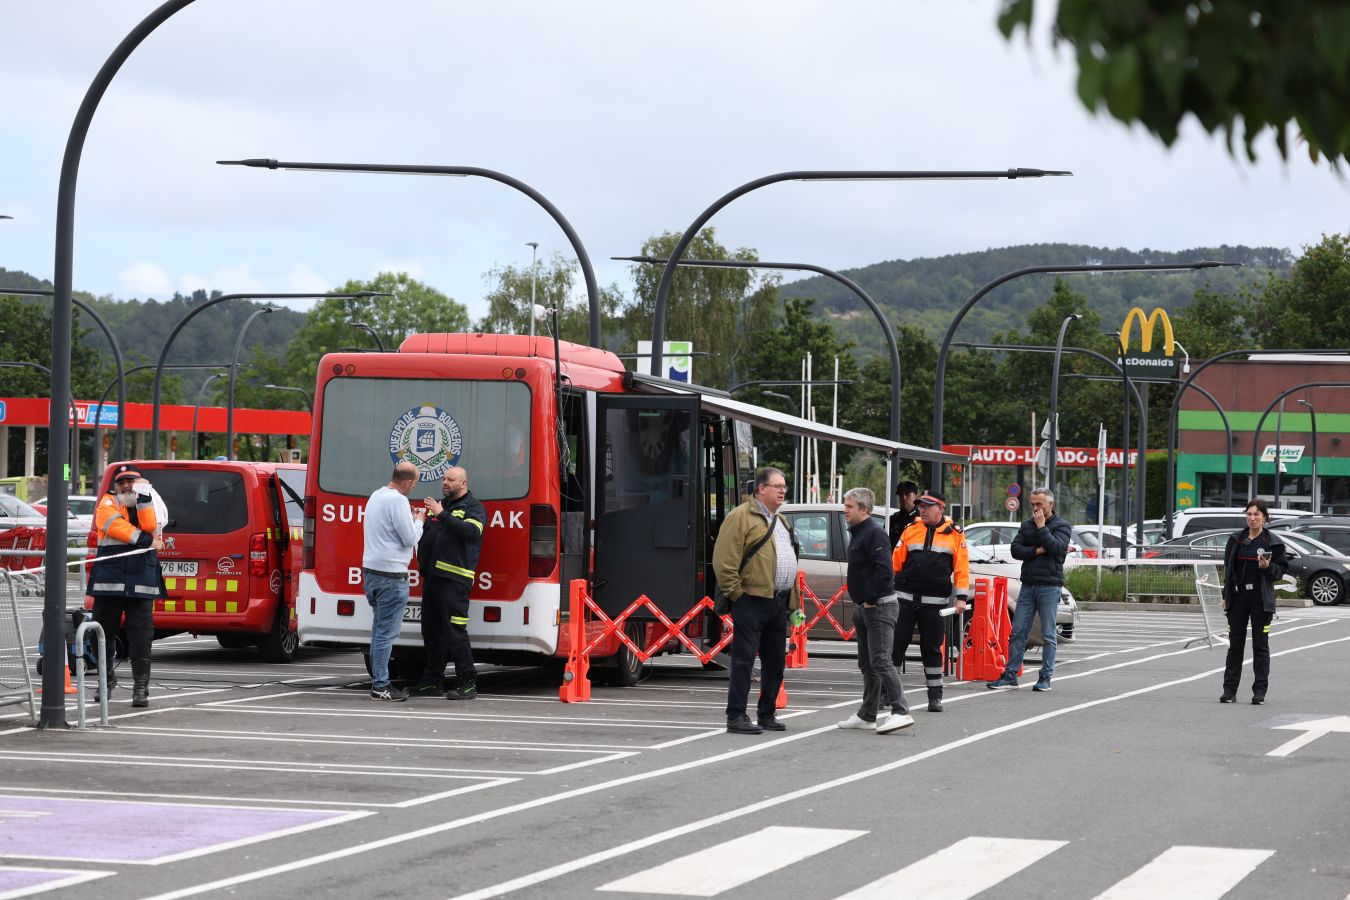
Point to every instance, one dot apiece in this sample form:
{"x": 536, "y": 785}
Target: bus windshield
{"x": 483, "y": 426}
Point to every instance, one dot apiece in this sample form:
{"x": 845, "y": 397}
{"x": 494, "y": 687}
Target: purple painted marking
{"x": 52, "y": 828}
{"x": 12, "y": 879}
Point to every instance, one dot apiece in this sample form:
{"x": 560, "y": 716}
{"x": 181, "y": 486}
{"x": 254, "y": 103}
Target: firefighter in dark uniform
{"x": 907, "y": 514}
{"x": 931, "y": 565}
{"x": 447, "y": 556}
{"x": 125, "y": 583}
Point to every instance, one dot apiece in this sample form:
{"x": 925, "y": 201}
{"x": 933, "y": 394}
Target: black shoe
{"x": 388, "y": 692}
{"x": 1258, "y": 699}
{"x": 428, "y": 689}
{"x": 771, "y": 723}
{"x": 1228, "y": 697}
{"x": 935, "y": 706}
{"x": 467, "y": 689}
{"x": 743, "y": 725}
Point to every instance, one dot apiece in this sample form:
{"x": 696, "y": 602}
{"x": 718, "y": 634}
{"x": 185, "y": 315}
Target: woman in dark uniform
{"x": 1253, "y": 562}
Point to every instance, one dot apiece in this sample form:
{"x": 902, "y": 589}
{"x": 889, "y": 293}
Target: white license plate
{"x": 412, "y": 613}
{"x": 179, "y": 568}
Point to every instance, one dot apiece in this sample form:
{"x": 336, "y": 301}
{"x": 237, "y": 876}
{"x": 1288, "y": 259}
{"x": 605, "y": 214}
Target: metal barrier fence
{"x": 16, "y": 680}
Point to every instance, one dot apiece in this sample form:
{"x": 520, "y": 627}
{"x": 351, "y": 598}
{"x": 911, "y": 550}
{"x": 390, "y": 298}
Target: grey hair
{"x": 863, "y": 497}
{"x": 1044, "y": 492}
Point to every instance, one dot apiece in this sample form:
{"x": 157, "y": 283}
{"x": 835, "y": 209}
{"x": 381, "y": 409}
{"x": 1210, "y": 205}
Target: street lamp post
{"x": 196, "y": 410}
{"x": 1279, "y": 464}
{"x": 117, "y": 361}
{"x": 887, "y": 331}
{"x": 234, "y": 367}
{"x": 534, "y": 278}
{"x": 1256, "y": 434}
{"x": 945, "y": 346}
{"x": 668, "y": 274}
{"x": 588, "y": 273}
{"x": 1316, "y": 492}
{"x": 309, "y": 404}
{"x": 54, "y": 605}
{"x": 379, "y": 344}
{"x": 168, "y": 342}
{"x": 1054, "y": 403}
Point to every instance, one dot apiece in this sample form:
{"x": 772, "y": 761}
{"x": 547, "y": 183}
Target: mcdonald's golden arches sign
{"x": 1148, "y": 358}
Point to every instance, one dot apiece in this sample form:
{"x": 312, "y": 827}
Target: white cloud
{"x": 413, "y": 267}
{"x": 187, "y": 283}
{"x": 144, "y": 279}
{"x": 304, "y": 280}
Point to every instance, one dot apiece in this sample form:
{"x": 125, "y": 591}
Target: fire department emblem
{"x": 429, "y": 438}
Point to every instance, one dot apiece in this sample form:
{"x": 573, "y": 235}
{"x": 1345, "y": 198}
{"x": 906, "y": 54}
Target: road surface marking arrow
{"x": 1312, "y": 730}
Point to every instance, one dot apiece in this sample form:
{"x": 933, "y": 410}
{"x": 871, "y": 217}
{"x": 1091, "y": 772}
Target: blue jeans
{"x": 1034, "y": 598}
{"x": 387, "y": 598}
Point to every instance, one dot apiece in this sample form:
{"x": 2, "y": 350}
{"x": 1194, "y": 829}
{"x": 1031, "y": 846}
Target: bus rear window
{"x": 201, "y": 501}
{"x": 371, "y": 423}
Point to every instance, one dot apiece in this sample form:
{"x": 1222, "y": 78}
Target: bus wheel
{"x": 278, "y": 645}
{"x": 628, "y": 671}
{"x": 233, "y": 641}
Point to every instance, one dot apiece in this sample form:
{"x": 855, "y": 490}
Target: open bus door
{"x": 646, "y": 501}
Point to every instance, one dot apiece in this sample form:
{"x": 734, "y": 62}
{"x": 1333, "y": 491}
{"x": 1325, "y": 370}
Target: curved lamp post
{"x": 592, "y": 289}
{"x": 887, "y": 331}
{"x": 668, "y": 274}
{"x": 1256, "y": 433}
{"x": 1316, "y": 494}
{"x": 1054, "y": 403}
{"x": 53, "y": 606}
{"x": 309, "y": 404}
{"x": 234, "y": 368}
{"x": 168, "y": 342}
{"x": 196, "y": 411}
{"x": 117, "y": 361}
{"x": 796, "y": 443}
{"x": 945, "y": 346}
{"x": 379, "y": 344}
{"x": 1170, "y": 502}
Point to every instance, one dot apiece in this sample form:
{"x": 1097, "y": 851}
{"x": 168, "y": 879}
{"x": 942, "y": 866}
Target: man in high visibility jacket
{"x": 447, "y": 555}
{"x": 931, "y": 566}
{"x": 124, "y": 583}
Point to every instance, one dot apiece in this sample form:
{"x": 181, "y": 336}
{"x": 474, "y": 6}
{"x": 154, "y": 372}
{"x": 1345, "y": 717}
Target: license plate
{"x": 412, "y": 613}
{"x": 179, "y": 568}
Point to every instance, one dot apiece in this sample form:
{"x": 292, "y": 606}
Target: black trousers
{"x": 931, "y": 633}
{"x": 1241, "y": 610}
{"x": 445, "y": 628}
{"x": 760, "y": 625}
{"x": 108, "y": 612}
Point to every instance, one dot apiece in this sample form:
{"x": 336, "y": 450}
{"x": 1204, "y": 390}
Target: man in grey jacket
{"x": 1041, "y": 543}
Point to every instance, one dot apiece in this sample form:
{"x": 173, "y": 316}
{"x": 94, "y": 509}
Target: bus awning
{"x": 782, "y": 423}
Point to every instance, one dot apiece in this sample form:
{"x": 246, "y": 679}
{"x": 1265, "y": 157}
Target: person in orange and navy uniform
{"x": 1253, "y": 561}
{"x": 124, "y": 583}
{"x": 931, "y": 566}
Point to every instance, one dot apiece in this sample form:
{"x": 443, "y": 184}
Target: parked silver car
{"x": 823, "y": 535}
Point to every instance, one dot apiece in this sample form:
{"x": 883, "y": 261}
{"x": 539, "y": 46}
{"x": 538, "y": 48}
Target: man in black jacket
{"x": 906, "y": 492}
{"x": 1041, "y": 543}
{"x": 447, "y": 556}
{"x": 875, "y": 608}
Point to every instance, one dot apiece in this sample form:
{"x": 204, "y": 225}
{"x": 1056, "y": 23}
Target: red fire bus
{"x": 586, "y": 471}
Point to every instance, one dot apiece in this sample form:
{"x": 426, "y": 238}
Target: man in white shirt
{"x": 391, "y": 533}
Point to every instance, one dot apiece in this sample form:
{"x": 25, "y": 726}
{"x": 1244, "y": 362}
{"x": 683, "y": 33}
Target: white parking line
{"x": 481, "y": 784}
{"x": 966, "y": 868}
{"x": 1196, "y": 873}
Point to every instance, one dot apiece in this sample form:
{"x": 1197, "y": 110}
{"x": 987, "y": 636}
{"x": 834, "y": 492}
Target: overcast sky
{"x": 631, "y": 117}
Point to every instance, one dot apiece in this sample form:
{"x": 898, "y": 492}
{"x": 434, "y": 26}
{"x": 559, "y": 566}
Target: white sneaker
{"x": 895, "y": 723}
{"x": 856, "y": 723}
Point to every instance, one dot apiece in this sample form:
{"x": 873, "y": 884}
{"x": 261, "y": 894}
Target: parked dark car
{"x": 1334, "y": 531}
{"x": 1320, "y": 567}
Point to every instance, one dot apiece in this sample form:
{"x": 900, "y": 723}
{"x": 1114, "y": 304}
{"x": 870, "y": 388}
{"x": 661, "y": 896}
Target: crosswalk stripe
{"x": 708, "y": 873}
{"x": 957, "y": 872}
{"x": 1196, "y": 873}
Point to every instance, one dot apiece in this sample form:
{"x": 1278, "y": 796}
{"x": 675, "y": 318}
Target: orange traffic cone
{"x": 781, "y": 702}
{"x": 70, "y": 688}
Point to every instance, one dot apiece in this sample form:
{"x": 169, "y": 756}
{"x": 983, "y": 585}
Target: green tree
{"x": 414, "y": 307}
{"x": 508, "y": 297}
{"x": 1311, "y": 307}
{"x": 1267, "y": 64}
{"x": 720, "y": 310}
{"x": 1213, "y": 324}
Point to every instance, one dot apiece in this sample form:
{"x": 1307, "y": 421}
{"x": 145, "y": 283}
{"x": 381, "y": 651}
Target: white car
{"x": 81, "y": 508}
{"x": 997, "y": 538}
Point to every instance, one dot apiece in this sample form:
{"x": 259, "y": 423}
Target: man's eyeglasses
{"x": 777, "y": 487}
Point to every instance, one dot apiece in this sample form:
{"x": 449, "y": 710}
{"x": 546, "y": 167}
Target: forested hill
{"x": 927, "y": 292}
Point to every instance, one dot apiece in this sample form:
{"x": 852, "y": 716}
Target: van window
{"x": 201, "y": 501}
{"x": 1205, "y": 523}
{"x": 295, "y": 480}
{"x": 370, "y": 423}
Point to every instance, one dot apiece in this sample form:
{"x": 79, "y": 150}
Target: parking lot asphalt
{"x": 252, "y": 779}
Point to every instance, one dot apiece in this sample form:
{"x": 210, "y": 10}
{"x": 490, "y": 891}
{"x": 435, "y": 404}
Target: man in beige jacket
{"x": 756, "y": 566}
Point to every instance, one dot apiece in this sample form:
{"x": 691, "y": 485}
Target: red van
{"x": 232, "y": 546}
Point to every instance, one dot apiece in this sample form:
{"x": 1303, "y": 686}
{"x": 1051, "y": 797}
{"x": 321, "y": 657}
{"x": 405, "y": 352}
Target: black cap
{"x": 906, "y": 487}
{"x": 932, "y": 498}
{"x": 125, "y": 470}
